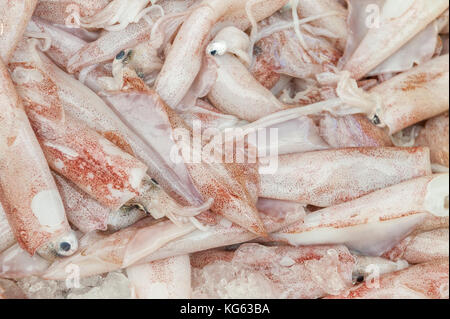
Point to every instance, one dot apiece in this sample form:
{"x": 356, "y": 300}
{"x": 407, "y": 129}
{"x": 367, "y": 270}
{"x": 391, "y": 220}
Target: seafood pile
{"x": 224, "y": 149}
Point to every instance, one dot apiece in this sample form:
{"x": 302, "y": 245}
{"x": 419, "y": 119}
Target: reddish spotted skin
{"x": 24, "y": 172}
{"x": 72, "y": 149}
{"x": 427, "y": 281}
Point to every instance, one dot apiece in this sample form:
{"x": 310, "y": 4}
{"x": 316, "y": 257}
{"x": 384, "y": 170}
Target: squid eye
{"x": 376, "y": 120}
{"x": 213, "y": 52}
{"x": 120, "y": 55}
{"x": 360, "y": 279}
{"x": 65, "y": 246}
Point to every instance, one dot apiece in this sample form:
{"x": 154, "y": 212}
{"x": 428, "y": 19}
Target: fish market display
{"x": 221, "y": 149}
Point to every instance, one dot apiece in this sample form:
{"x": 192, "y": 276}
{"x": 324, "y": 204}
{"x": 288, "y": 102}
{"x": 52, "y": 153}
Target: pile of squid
{"x": 103, "y": 178}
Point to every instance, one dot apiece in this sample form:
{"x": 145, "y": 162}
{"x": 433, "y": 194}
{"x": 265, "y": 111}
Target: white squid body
{"x": 256, "y": 271}
{"x": 374, "y": 223}
{"x": 327, "y": 178}
{"x": 14, "y": 17}
{"x": 173, "y": 83}
{"x": 413, "y": 96}
{"x": 161, "y": 279}
{"x": 16, "y": 263}
{"x": 421, "y": 248}
{"x": 424, "y": 281}
{"x": 392, "y": 27}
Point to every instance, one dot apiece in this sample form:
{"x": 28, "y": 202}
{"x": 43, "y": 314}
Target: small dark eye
{"x": 65, "y": 246}
{"x": 154, "y": 181}
{"x": 120, "y": 55}
{"x": 213, "y": 52}
{"x": 360, "y": 279}
{"x": 376, "y": 120}
{"x": 257, "y": 50}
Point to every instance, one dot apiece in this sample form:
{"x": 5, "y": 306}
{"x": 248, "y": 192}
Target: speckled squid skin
{"x": 370, "y": 225}
{"x": 14, "y": 17}
{"x": 173, "y": 83}
{"x": 72, "y": 149}
{"x": 421, "y": 248}
{"x": 330, "y": 177}
{"x": 435, "y": 135}
{"x": 57, "y": 11}
{"x": 424, "y": 281}
{"x": 27, "y": 190}
{"x": 396, "y": 28}
{"x": 6, "y": 234}
{"x": 416, "y": 95}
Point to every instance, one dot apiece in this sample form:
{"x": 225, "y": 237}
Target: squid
{"x": 29, "y": 194}
{"x": 161, "y": 279}
{"x": 371, "y": 226}
{"x": 274, "y": 213}
{"x": 101, "y": 252}
{"x": 154, "y": 32}
{"x": 327, "y": 178}
{"x": 94, "y": 164}
{"x": 435, "y": 135}
{"x": 189, "y": 44}
{"x": 398, "y": 103}
{"x": 16, "y": 263}
{"x": 421, "y": 248}
{"x": 389, "y": 18}
{"x": 14, "y": 17}
{"x": 233, "y": 196}
{"x": 256, "y": 271}
{"x": 62, "y": 11}
{"x": 84, "y": 105}
{"x": 423, "y": 281}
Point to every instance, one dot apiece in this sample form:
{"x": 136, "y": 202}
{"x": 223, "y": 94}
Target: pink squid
{"x": 389, "y": 27}
{"x": 370, "y": 225}
{"x": 190, "y": 42}
{"x": 327, "y": 178}
{"x": 29, "y": 194}
{"x": 421, "y": 248}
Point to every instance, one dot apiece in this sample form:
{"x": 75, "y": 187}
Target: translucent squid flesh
{"x": 14, "y": 17}
{"x": 274, "y": 213}
{"x": 371, "y": 226}
{"x": 424, "y": 281}
{"x": 173, "y": 83}
{"x": 34, "y": 210}
{"x": 223, "y": 182}
{"x": 327, "y": 178}
{"x": 16, "y": 263}
{"x": 168, "y": 278}
{"x": 421, "y": 248}
{"x": 100, "y": 253}
{"x": 256, "y": 271}
{"x": 395, "y": 21}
